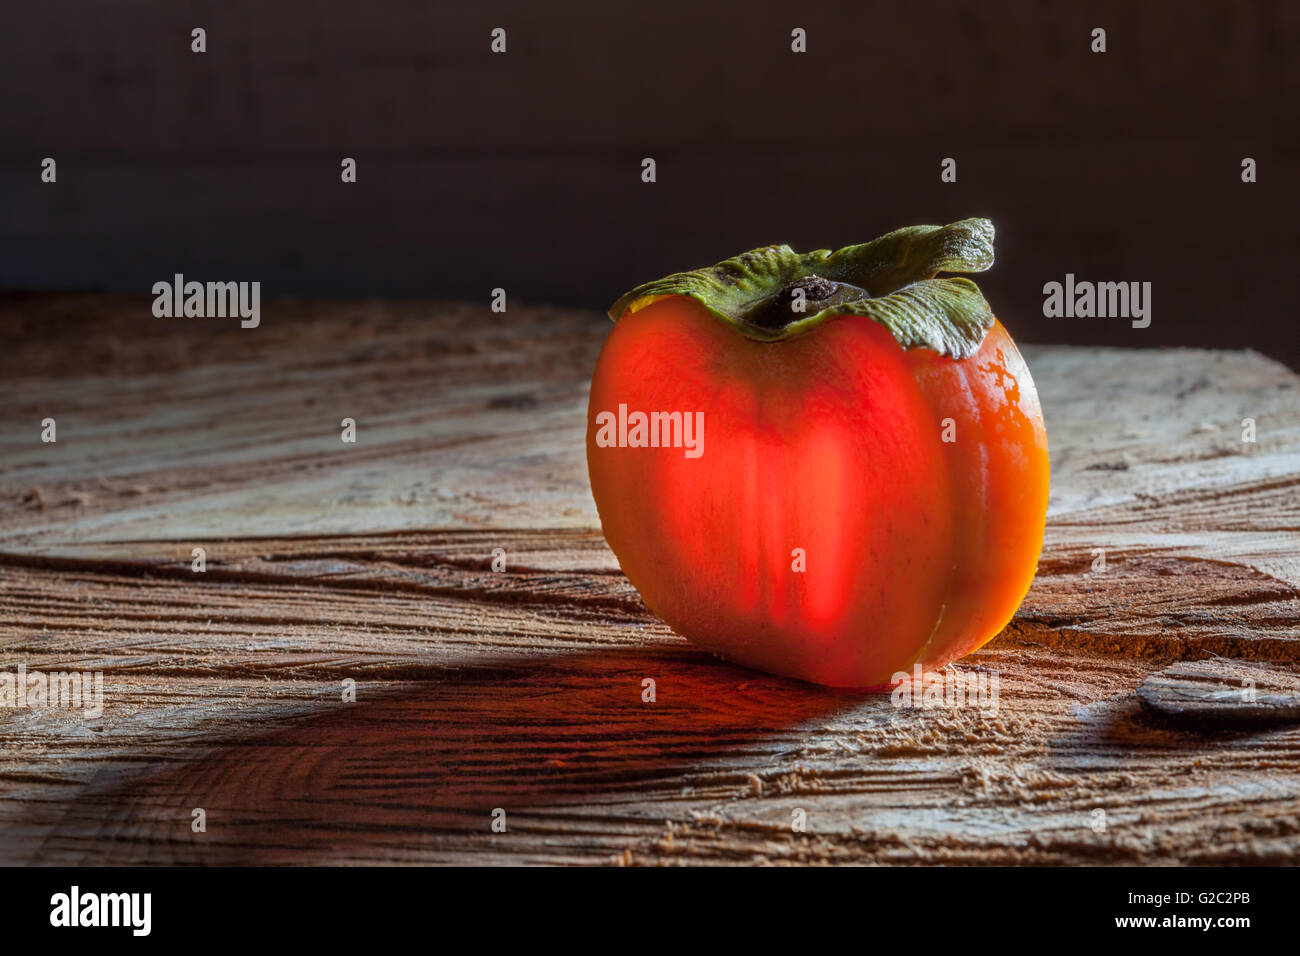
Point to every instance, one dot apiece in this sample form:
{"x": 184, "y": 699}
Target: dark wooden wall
{"x": 522, "y": 170}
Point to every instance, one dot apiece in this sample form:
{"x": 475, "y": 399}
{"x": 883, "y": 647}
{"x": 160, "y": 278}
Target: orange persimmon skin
{"x": 912, "y": 549}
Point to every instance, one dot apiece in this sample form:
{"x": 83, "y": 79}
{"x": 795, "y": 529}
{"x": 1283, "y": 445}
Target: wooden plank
{"x": 226, "y": 696}
{"x": 1217, "y": 694}
{"x": 521, "y": 689}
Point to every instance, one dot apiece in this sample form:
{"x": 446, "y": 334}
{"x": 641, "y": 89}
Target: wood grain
{"x": 521, "y": 689}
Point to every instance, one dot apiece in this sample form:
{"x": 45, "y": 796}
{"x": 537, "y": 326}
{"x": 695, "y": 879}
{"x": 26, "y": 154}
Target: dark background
{"x": 523, "y": 170}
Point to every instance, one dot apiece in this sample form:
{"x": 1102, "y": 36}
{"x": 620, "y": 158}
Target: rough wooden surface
{"x": 522, "y": 690}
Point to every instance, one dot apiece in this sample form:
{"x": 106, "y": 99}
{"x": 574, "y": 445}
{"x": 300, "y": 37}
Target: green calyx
{"x": 774, "y": 293}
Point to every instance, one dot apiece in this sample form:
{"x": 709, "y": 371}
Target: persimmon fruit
{"x": 829, "y": 466}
